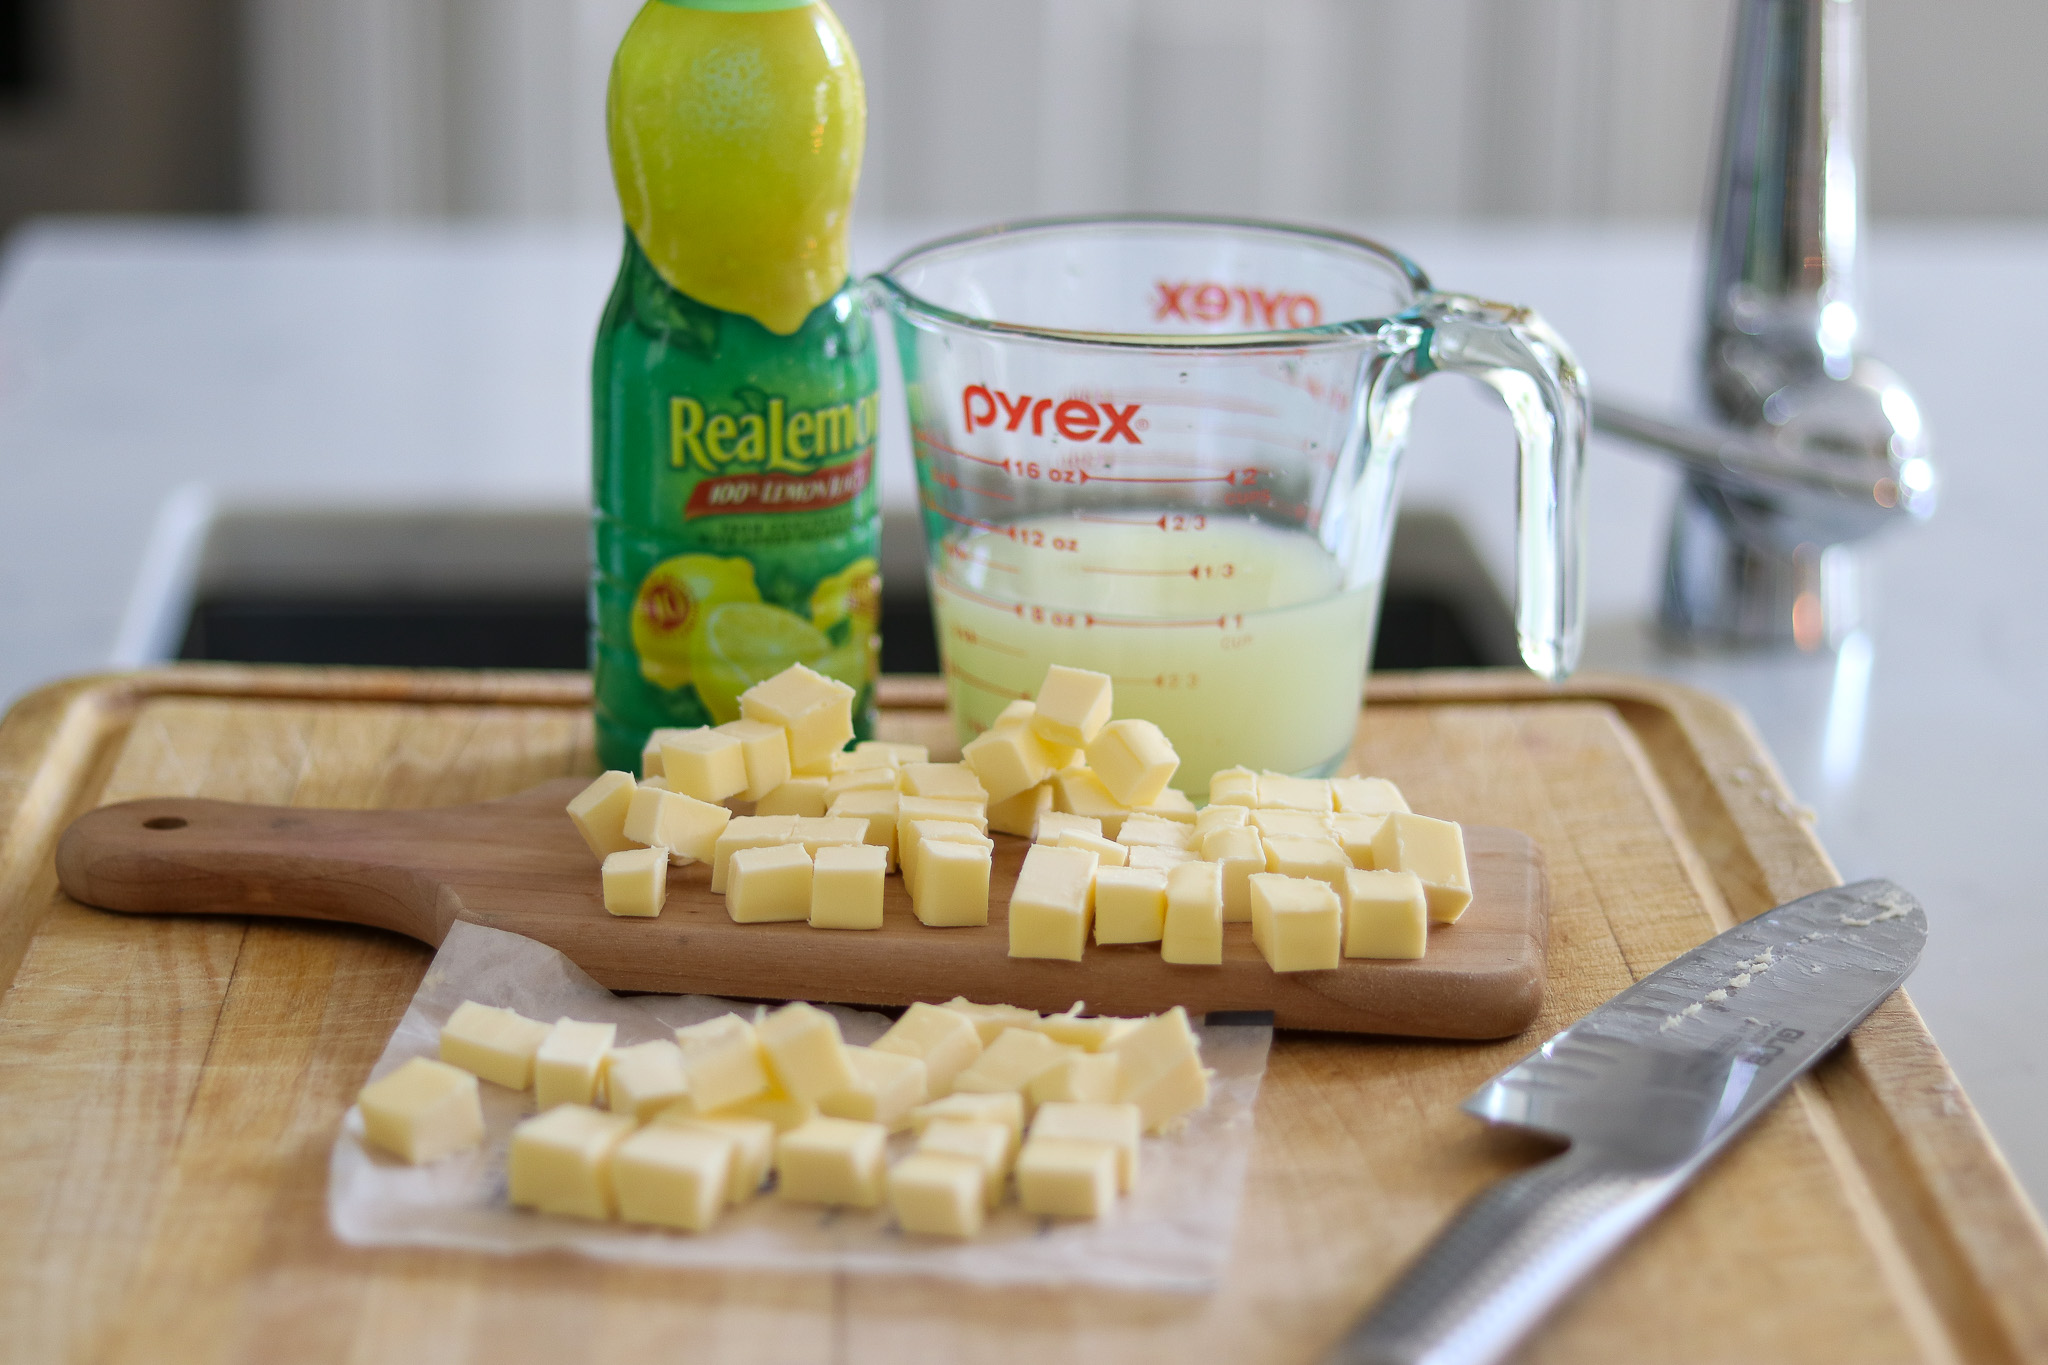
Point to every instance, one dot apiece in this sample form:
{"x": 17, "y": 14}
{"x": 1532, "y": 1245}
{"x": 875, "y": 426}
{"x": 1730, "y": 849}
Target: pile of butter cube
{"x": 1322, "y": 869}
{"x": 674, "y": 1133}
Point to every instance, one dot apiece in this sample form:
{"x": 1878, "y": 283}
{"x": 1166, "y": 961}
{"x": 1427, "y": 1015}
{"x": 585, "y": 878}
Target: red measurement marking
{"x": 953, "y": 551}
{"x": 1235, "y": 476}
{"x": 959, "y": 520}
{"x": 945, "y": 480}
{"x": 953, "y": 670}
{"x": 980, "y": 641}
{"x": 948, "y": 585}
{"x": 1143, "y": 573}
{"x": 1163, "y": 681}
{"x": 924, "y": 439}
{"x": 1218, "y": 622}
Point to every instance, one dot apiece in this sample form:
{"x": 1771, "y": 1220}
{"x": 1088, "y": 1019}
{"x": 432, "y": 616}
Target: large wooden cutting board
{"x": 170, "y": 1085}
{"x": 518, "y": 864}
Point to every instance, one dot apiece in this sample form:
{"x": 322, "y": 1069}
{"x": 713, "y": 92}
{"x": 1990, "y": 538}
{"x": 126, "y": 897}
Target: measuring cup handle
{"x": 1514, "y": 352}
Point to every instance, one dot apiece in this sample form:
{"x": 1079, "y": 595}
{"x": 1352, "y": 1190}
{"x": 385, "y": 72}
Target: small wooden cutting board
{"x": 518, "y": 864}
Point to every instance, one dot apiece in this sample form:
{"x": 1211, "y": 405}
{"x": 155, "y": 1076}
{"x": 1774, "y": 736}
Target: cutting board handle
{"x": 185, "y": 856}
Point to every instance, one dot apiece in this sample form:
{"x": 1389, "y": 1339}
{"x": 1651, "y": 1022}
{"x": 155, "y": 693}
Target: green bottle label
{"x": 737, "y": 523}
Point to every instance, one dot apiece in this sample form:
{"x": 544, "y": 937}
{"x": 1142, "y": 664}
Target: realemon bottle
{"x": 736, "y": 518}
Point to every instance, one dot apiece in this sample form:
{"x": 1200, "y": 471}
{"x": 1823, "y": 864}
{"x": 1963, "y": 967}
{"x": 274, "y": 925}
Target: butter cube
{"x": 1092, "y": 1033}
{"x": 1134, "y": 760}
{"x": 990, "y": 1020}
{"x": 951, "y": 889}
{"x": 1293, "y": 824}
{"x": 1052, "y": 824}
{"x": 751, "y": 1143}
{"x": 569, "y": 1062}
{"x": 1108, "y": 852}
{"x": 1193, "y": 932}
{"x": 673, "y": 1177}
{"x": 1114, "y": 1125}
{"x": 897, "y": 750}
{"x": 846, "y": 886}
{"x": 1212, "y": 818}
{"x": 1003, "y": 1106}
{"x": 832, "y": 1161}
{"x": 1171, "y": 804}
{"x": 1367, "y": 796}
{"x": 886, "y": 1087}
{"x": 764, "y": 751}
{"x": 561, "y": 1161}
{"x": 798, "y": 796}
{"x": 1434, "y": 850}
{"x": 1078, "y": 791}
{"x": 1233, "y": 787}
{"x": 495, "y": 1044}
{"x": 1239, "y": 853}
{"x": 1072, "y": 706}
{"x": 723, "y": 1063}
{"x": 635, "y": 882}
{"x": 879, "y": 779}
{"x": 650, "y": 753}
{"x": 1018, "y": 712}
{"x": 748, "y": 831}
{"x": 1297, "y": 923}
{"x": 987, "y": 1145}
{"x": 422, "y": 1111}
{"x": 861, "y": 757}
{"x": 877, "y": 810}
{"x": 805, "y": 1054}
{"x": 910, "y": 808}
{"x": 944, "y": 782}
{"x": 942, "y": 1039}
{"x": 816, "y": 710}
{"x": 934, "y": 1195}
{"x": 1386, "y": 914}
{"x": 1065, "y": 1178}
{"x": 768, "y": 885}
{"x": 1279, "y": 790}
{"x": 687, "y": 827}
{"x": 912, "y": 835}
{"x": 1160, "y": 859}
{"x": 1053, "y": 905}
{"x": 828, "y": 831}
{"x": 642, "y": 1080}
{"x": 1149, "y": 831}
{"x": 1130, "y": 905}
{"x": 1356, "y": 834}
{"x": 780, "y": 1111}
{"x": 1011, "y": 1062}
{"x": 704, "y": 763}
{"x": 1007, "y": 761}
{"x": 599, "y": 813}
{"x": 1319, "y": 858}
{"x": 1019, "y": 814}
{"x": 1162, "y": 1070}
{"x": 1085, "y": 1077}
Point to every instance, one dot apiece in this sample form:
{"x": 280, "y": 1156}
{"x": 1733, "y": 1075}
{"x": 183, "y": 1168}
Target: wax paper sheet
{"x": 1173, "y": 1232}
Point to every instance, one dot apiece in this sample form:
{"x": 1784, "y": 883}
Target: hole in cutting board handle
{"x": 165, "y": 822}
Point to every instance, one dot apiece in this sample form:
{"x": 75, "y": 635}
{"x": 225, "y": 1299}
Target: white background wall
{"x": 1332, "y": 109}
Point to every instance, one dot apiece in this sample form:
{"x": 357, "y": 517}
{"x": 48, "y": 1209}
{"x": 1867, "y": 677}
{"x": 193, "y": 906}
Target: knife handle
{"x": 1506, "y": 1260}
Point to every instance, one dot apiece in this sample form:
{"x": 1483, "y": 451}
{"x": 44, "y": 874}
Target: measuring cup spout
{"x": 1514, "y": 352}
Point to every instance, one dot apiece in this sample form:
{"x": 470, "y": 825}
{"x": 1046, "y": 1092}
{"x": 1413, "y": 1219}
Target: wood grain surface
{"x": 517, "y": 864}
{"x": 170, "y": 1086}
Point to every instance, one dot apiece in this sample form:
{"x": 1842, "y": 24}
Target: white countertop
{"x": 150, "y": 372}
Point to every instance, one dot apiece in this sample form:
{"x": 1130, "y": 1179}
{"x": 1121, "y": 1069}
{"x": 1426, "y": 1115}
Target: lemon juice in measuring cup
{"x": 1186, "y": 611}
{"x": 1166, "y": 449}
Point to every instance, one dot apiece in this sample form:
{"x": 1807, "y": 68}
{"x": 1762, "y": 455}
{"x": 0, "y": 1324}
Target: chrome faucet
{"x": 1807, "y": 446}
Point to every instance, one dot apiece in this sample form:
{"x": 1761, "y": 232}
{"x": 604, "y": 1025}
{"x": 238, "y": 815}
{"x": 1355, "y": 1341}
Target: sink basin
{"x": 505, "y": 589}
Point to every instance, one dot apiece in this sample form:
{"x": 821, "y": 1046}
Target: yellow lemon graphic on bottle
{"x": 852, "y": 599}
{"x": 743, "y": 643}
{"x": 674, "y": 604}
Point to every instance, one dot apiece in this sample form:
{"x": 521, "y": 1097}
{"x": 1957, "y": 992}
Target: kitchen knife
{"x": 1647, "y": 1089}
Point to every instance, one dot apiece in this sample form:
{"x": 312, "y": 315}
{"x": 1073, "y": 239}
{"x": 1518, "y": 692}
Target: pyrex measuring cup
{"x": 1166, "y": 449}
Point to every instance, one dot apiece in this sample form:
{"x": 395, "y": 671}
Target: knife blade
{"x": 1646, "y": 1089}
